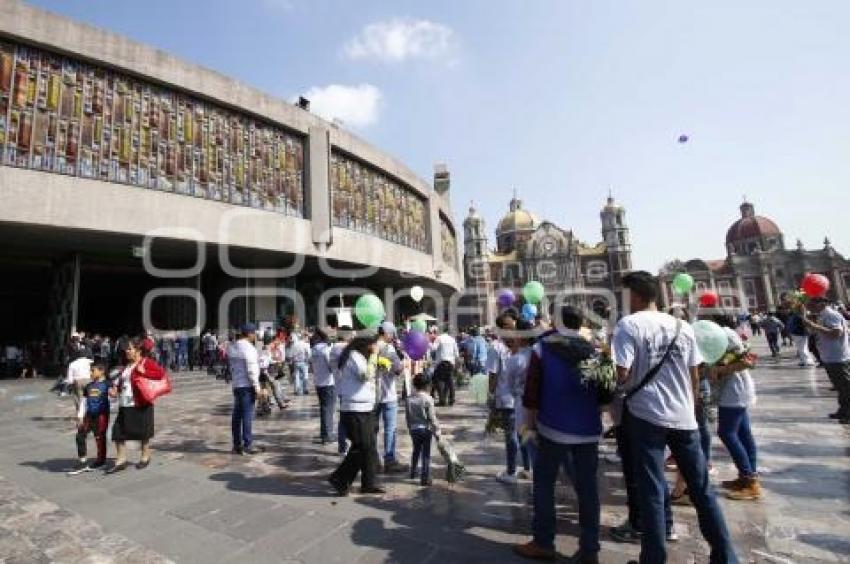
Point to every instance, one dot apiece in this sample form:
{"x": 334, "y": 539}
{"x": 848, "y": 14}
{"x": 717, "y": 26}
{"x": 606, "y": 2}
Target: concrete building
{"x": 248, "y": 199}
{"x": 758, "y": 267}
{"x": 528, "y": 248}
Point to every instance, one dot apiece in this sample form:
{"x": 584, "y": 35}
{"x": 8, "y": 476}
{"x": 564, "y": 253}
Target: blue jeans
{"x": 327, "y": 406}
{"x": 421, "y": 439}
{"x": 733, "y": 428}
{"x": 648, "y": 442}
{"x": 243, "y": 416}
{"x": 581, "y": 460}
{"x": 627, "y": 459}
{"x": 299, "y": 370}
{"x": 388, "y": 412}
{"x": 512, "y": 445}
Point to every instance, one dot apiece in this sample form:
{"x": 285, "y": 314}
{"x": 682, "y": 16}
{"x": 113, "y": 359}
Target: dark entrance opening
{"x": 24, "y": 289}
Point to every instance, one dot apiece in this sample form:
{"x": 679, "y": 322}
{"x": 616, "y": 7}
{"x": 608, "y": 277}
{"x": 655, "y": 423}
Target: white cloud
{"x": 355, "y": 105}
{"x": 397, "y": 40}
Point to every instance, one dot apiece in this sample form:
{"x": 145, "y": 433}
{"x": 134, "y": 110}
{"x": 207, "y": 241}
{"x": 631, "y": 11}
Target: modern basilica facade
{"x": 135, "y": 184}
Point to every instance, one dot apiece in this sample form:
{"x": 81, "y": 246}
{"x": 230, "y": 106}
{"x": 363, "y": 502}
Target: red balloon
{"x": 709, "y": 299}
{"x": 815, "y": 285}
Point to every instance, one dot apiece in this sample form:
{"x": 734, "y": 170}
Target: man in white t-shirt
{"x": 659, "y": 412}
{"x": 446, "y": 354}
{"x": 833, "y": 340}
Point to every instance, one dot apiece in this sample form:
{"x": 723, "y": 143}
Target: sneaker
{"x": 341, "y": 489}
{"x": 97, "y": 464}
{"x": 681, "y": 499}
{"x": 735, "y": 484}
{"x": 506, "y": 478}
{"x": 237, "y": 451}
{"x": 80, "y": 469}
{"x": 374, "y": 490}
{"x": 625, "y": 533}
{"x": 749, "y": 491}
{"x": 532, "y": 551}
{"x": 254, "y": 450}
{"x": 524, "y": 474}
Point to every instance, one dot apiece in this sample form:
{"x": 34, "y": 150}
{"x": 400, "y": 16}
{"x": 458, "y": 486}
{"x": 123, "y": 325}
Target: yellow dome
{"x": 517, "y": 219}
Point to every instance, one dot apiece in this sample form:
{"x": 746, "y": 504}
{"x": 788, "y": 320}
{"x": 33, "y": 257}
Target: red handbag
{"x": 149, "y": 389}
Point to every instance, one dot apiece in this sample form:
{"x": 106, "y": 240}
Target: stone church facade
{"x": 758, "y": 267}
{"x": 528, "y": 248}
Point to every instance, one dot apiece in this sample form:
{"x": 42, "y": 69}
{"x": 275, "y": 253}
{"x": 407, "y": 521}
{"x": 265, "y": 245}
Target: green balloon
{"x": 683, "y": 283}
{"x": 533, "y": 292}
{"x": 712, "y": 340}
{"x": 369, "y": 310}
{"x": 419, "y": 325}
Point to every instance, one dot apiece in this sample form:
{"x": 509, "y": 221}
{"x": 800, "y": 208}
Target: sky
{"x": 561, "y": 101}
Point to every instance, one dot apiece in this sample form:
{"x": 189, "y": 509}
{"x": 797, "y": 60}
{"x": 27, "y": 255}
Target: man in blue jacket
{"x": 565, "y": 413}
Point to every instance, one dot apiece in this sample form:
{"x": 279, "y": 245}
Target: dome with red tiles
{"x": 751, "y": 226}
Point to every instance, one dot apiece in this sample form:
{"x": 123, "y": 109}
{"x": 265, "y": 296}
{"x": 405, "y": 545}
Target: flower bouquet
{"x": 598, "y": 372}
{"x": 455, "y": 470}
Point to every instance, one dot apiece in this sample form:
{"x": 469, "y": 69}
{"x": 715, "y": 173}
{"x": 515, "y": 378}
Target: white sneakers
{"x": 506, "y": 478}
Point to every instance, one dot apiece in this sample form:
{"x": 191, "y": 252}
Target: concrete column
{"x": 318, "y": 196}
{"x": 768, "y": 290}
{"x": 739, "y": 282}
{"x": 265, "y": 307}
{"x": 75, "y": 298}
{"x": 434, "y": 226}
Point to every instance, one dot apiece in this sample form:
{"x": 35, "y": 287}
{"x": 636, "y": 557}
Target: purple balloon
{"x": 416, "y": 344}
{"x": 506, "y": 298}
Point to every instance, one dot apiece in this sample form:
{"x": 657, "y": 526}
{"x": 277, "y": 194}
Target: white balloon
{"x": 417, "y": 293}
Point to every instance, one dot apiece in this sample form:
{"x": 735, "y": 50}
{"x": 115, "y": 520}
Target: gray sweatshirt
{"x": 421, "y": 413}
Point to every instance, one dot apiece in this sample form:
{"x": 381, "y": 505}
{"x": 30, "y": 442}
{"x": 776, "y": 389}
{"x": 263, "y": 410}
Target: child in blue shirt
{"x": 93, "y": 417}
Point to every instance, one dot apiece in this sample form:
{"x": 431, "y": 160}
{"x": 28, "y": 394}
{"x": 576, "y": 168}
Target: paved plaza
{"x": 198, "y": 503}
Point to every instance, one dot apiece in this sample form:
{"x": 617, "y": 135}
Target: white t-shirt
{"x": 738, "y": 389}
{"x": 445, "y": 349}
{"x": 640, "y": 341}
{"x": 79, "y": 371}
{"x": 833, "y": 350}
{"x": 320, "y": 364}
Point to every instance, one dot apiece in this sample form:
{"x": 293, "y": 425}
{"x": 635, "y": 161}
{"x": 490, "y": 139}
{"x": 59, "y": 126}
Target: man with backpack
{"x": 565, "y": 414}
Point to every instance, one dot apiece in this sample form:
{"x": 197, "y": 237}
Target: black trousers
{"x": 362, "y": 456}
{"x": 445, "y": 382}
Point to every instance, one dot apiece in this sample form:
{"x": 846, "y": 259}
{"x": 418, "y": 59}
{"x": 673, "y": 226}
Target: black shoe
{"x": 238, "y": 451}
{"x": 117, "y": 468}
{"x": 836, "y": 415}
{"x": 143, "y": 464}
{"x": 341, "y": 489}
{"x": 97, "y": 464}
{"x": 375, "y": 490}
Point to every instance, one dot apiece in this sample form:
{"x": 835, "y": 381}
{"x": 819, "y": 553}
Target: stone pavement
{"x": 198, "y": 503}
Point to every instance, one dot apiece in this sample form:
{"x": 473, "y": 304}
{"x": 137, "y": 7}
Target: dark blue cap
{"x": 249, "y": 328}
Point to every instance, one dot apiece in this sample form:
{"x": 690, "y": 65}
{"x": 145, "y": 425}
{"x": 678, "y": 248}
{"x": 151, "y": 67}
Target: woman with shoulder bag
{"x": 135, "y": 421}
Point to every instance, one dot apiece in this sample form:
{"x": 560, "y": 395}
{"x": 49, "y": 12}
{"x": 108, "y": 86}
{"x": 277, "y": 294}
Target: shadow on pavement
{"x": 275, "y": 484}
{"x": 54, "y": 465}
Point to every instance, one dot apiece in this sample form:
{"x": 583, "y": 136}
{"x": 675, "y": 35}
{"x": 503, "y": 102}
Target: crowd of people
{"x": 545, "y": 394}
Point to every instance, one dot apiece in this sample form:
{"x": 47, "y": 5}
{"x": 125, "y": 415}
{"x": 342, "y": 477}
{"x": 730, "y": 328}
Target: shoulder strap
{"x": 655, "y": 369}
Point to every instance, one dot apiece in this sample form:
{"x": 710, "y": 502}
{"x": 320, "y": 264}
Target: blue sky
{"x": 561, "y": 100}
